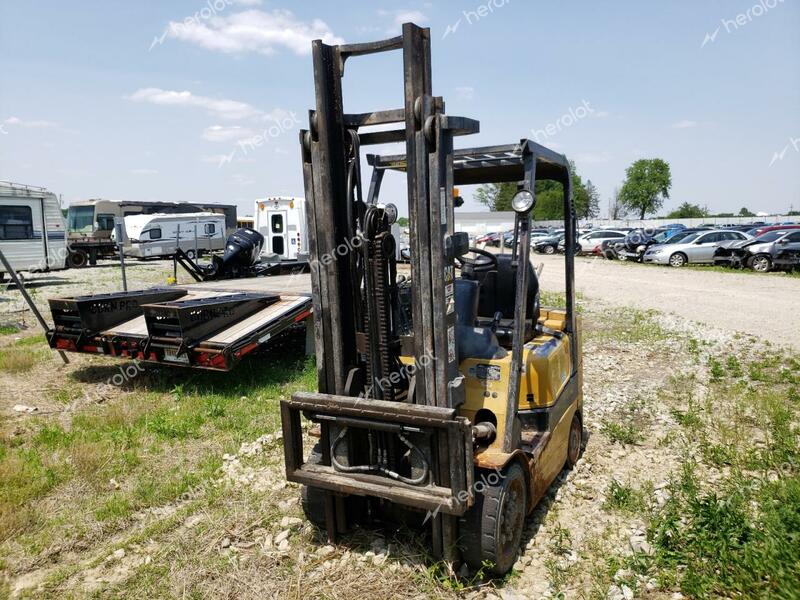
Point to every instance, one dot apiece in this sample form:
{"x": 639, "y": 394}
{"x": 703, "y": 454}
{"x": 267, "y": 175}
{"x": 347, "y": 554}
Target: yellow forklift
{"x": 449, "y": 397}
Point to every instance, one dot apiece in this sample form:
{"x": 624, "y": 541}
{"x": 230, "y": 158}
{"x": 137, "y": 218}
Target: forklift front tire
{"x": 574, "y": 442}
{"x": 491, "y": 530}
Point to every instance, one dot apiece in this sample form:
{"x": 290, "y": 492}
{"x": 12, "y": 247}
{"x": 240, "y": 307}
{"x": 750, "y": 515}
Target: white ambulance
{"x": 282, "y": 222}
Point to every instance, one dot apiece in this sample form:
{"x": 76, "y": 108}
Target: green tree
{"x": 688, "y": 211}
{"x": 745, "y": 212}
{"x": 496, "y": 196}
{"x": 646, "y": 186}
{"x": 402, "y": 221}
{"x": 549, "y": 198}
{"x": 593, "y": 208}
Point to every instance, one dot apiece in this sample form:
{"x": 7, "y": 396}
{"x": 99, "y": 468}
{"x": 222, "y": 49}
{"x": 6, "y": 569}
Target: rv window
{"x": 80, "y": 218}
{"x": 210, "y": 229}
{"x": 16, "y": 223}
{"x": 155, "y": 234}
{"x": 277, "y": 223}
{"x": 105, "y": 222}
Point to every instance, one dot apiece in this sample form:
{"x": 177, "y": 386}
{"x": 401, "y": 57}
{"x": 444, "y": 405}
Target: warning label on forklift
{"x": 451, "y": 343}
{"x": 450, "y": 298}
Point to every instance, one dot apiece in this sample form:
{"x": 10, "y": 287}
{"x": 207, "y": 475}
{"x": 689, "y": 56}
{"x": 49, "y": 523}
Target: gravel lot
{"x": 765, "y": 306}
{"x": 171, "y": 484}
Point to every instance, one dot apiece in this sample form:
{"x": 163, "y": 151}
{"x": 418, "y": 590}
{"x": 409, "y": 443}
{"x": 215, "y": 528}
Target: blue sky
{"x": 107, "y": 99}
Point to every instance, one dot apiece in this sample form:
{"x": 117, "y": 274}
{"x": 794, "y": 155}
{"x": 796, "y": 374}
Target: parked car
{"x": 757, "y": 231}
{"x": 489, "y": 238}
{"x": 774, "y": 249}
{"x": 697, "y": 248}
{"x": 591, "y": 242}
{"x": 548, "y": 244}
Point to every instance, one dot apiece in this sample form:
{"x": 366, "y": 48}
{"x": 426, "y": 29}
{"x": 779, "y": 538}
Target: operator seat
{"x": 498, "y": 292}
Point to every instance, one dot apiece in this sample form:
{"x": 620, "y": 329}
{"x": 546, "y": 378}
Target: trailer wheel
{"x": 190, "y": 254}
{"x": 762, "y": 263}
{"x": 77, "y": 259}
{"x": 491, "y": 530}
{"x": 574, "y": 444}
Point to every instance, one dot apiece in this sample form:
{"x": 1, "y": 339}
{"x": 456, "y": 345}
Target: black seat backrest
{"x": 499, "y": 290}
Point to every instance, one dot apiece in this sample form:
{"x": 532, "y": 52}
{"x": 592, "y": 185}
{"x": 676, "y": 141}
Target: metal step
{"x": 87, "y": 315}
{"x": 181, "y": 324}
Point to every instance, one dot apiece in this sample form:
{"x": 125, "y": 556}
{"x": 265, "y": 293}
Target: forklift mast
{"x": 340, "y": 219}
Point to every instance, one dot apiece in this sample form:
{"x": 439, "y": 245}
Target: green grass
{"x": 9, "y": 329}
{"x": 738, "y": 536}
{"x": 624, "y": 498}
{"x": 627, "y": 434}
{"x": 630, "y": 325}
{"x": 160, "y": 437}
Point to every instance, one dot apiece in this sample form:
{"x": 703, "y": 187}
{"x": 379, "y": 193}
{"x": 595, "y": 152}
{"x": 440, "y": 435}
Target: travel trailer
{"x": 90, "y": 223}
{"x": 32, "y": 229}
{"x": 159, "y": 235}
{"x": 282, "y": 222}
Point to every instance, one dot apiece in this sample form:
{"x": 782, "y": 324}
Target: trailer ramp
{"x": 192, "y": 326}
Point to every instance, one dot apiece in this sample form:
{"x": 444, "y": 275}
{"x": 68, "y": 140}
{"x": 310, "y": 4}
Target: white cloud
{"x": 253, "y": 31}
{"x": 401, "y": 16}
{"x": 225, "y": 109}
{"x": 17, "y": 122}
{"x": 684, "y": 124}
{"x": 465, "y": 92}
{"x": 220, "y": 133}
{"x": 144, "y": 172}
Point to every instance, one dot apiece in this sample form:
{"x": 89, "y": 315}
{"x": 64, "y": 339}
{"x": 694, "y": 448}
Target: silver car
{"x": 697, "y": 248}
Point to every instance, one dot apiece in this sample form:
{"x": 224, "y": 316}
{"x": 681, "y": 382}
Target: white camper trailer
{"x": 33, "y": 233}
{"x": 282, "y": 222}
{"x": 159, "y": 235}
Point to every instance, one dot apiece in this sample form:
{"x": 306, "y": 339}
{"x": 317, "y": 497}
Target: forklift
{"x": 447, "y": 398}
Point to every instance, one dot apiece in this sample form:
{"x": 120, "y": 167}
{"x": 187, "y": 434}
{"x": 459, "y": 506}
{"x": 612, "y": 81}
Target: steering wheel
{"x": 483, "y": 262}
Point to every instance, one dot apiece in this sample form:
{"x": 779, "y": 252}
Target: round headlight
{"x": 522, "y": 201}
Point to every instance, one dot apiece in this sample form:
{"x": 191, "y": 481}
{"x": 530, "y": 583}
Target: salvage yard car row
{"x": 760, "y": 247}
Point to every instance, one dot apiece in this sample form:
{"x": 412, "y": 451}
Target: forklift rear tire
{"x": 77, "y": 259}
{"x": 574, "y": 443}
{"x": 312, "y": 499}
{"x": 491, "y": 530}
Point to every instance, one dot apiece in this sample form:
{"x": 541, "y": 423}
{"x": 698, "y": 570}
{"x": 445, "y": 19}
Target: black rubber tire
{"x": 491, "y": 530}
{"x": 574, "y": 441}
{"x": 77, "y": 259}
{"x": 549, "y": 249}
{"x": 191, "y": 255}
{"x": 313, "y": 499}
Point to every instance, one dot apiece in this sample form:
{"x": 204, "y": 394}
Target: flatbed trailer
{"x": 209, "y": 325}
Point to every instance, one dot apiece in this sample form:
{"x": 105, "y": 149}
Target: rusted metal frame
{"x": 391, "y": 136}
{"x": 322, "y": 334}
{"x": 569, "y": 247}
{"x": 378, "y": 117}
{"x": 330, "y": 193}
{"x": 418, "y": 107}
{"x": 375, "y": 186}
{"x": 367, "y": 408}
{"x": 520, "y": 308}
{"x": 348, "y": 50}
